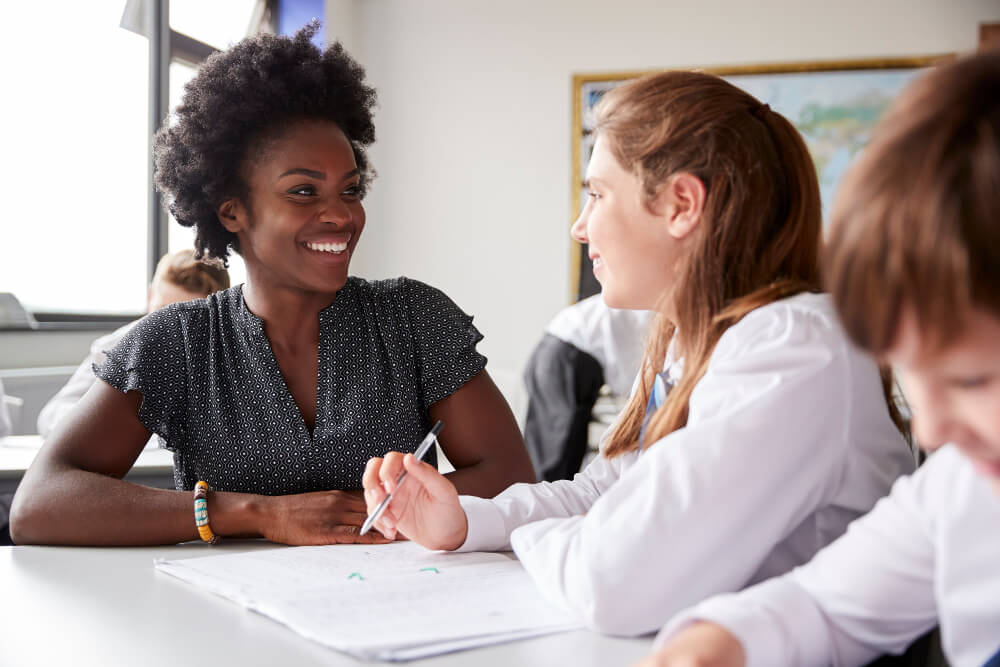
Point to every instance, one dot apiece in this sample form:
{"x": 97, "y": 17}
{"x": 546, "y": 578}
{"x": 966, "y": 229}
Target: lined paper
{"x": 389, "y": 602}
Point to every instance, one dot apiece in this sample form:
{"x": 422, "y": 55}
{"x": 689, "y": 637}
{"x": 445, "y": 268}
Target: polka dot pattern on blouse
{"x": 213, "y": 391}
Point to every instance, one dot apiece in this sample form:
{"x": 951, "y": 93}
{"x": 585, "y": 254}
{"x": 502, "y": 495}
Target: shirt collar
{"x": 253, "y": 326}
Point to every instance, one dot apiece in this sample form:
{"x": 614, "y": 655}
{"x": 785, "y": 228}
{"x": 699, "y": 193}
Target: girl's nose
{"x": 579, "y": 229}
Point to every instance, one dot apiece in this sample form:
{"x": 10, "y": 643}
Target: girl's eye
{"x": 593, "y": 195}
{"x": 305, "y": 190}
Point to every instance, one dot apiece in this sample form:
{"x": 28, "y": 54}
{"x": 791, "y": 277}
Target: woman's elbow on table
{"x": 27, "y": 517}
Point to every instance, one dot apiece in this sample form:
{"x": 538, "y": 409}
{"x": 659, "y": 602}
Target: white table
{"x": 109, "y": 606}
{"x": 154, "y": 467}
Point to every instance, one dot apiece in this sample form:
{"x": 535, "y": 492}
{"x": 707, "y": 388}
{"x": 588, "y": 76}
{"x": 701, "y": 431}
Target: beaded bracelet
{"x": 201, "y": 490}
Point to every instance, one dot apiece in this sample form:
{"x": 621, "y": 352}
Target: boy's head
{"x": 913, "y": 259}
{"x": 181, "y": 277}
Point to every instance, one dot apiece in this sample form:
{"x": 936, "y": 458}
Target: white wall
{"x": 473, "y": 153}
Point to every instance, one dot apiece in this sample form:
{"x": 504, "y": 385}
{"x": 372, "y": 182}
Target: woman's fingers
{"x": 349, "y": 502}
{"x": 352, "y": 535}
{"x": 352, "y": 518}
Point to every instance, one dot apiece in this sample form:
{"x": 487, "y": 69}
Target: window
{"x": 75, "y": 231}
{"x": 74, "y": 184}
{"x": 218, "y": 23}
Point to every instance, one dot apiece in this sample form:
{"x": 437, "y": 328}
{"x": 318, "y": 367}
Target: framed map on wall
{"x": 834, "y": 105}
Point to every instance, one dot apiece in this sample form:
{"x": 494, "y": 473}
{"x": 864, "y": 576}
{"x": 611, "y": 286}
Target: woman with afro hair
{"x": 277, "y": 391}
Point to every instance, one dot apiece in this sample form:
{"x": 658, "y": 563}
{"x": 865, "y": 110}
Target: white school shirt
{"x": 614, "y": 337}
{"x": 788, "y": 439}
{"x": 927, "y": 554}
{"x": 82, "y": 379}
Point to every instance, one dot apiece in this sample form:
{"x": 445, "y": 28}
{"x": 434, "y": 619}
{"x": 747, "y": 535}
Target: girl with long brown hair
{"x": 913, "y": 265}
{"x": 755, "y": 432}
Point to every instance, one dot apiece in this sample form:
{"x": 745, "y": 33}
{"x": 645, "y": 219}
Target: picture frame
{"x": 834, "y": 104}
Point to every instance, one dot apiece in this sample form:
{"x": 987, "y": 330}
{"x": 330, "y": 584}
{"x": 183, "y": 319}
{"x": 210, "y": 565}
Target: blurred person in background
{"x": 178, "y": 277}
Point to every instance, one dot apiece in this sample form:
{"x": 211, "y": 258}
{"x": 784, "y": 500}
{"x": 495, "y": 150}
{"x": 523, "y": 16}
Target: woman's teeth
{"x": 328, "y": 247}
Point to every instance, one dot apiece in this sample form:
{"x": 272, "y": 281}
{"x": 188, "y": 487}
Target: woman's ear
{"x": 232, "y": 215}
{"x": 682, "y": 201}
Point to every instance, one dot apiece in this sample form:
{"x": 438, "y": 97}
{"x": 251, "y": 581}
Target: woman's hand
{"x": 699, "y": 645}
{"x": 321, "y": 517}
{"x": 425, "y": 508}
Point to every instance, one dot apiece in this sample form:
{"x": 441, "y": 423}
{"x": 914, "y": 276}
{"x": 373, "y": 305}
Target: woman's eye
{"x": 306, "y": 190}
{"x": 353, "y": 191}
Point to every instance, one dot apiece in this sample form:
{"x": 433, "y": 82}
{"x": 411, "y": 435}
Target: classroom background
{"x": 473, "y": 152}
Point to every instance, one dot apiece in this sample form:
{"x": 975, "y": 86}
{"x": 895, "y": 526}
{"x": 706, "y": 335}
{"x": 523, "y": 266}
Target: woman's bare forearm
{"x": 490, "y": 476}
{"x": 58, "y": 504}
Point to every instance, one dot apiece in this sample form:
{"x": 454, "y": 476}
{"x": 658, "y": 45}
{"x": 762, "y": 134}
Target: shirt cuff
{"x": 759, "y": 618}
{"x": 486, "y": 530}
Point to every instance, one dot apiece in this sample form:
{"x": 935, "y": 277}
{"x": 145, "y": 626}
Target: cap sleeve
{"x": 150, "y": 359}
{"x": 444, "y": 340}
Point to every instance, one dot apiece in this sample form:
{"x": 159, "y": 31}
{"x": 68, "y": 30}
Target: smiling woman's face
{"x": 304, "y": 215}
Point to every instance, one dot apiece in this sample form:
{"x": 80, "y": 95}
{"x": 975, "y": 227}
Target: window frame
{"x": 166, "y": 46}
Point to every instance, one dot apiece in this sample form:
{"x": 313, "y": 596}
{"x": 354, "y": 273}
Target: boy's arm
{"x": 868, "y": 593}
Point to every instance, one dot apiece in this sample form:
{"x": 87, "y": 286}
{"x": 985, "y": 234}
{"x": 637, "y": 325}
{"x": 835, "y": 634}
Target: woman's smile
{"x": 329, "y": 251}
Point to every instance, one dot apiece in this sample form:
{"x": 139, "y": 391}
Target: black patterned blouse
{"x": 213, "y": 391}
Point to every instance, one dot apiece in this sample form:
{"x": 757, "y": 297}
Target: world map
{"x": 834, "y": 111}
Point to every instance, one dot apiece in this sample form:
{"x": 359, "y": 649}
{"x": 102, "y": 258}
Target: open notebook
{"x": 388, "y": 602}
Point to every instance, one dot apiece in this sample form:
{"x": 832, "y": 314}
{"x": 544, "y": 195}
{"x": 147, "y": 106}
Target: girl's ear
{"x": 682, "y": 201}
{"x": 232, "y": 215}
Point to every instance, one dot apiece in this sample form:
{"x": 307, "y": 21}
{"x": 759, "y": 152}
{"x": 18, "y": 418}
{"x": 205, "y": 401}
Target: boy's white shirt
{"x": 788, "y": 439}
{"x": 928, "y": 554}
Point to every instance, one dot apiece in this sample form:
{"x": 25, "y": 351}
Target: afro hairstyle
{"x": 239, "y": 96}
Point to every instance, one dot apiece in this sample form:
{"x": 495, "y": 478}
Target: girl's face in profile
{"x": 955, "y": 391}
{"x": 630, "y": 247}
{"x": 305, "y": 216}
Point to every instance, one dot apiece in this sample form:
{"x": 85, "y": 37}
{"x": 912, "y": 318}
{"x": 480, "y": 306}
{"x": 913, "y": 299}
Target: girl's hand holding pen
{"x": 425, "y": 509}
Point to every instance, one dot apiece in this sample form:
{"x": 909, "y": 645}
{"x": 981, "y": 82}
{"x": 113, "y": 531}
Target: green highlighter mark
{"x": 430, "y": 569}
{"x": 356, "y": 575}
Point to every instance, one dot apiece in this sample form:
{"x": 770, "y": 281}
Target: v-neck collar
{"x": 252, "y": 327}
